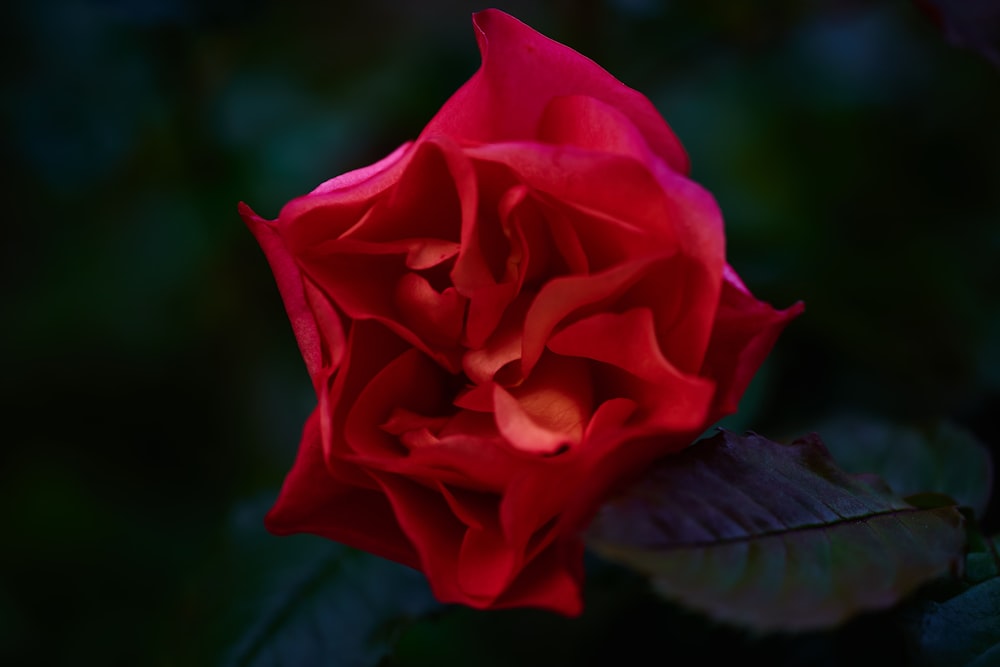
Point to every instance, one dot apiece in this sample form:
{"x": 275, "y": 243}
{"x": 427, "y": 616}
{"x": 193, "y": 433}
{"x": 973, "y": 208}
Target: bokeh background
{"x": 151, "y": 385}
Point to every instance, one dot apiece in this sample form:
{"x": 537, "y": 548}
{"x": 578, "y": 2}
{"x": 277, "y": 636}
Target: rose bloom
{"x": 504, "y": 321}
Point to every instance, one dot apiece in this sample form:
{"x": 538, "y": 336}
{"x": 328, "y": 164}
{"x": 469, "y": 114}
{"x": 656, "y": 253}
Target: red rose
{"x": 503, "y": 320}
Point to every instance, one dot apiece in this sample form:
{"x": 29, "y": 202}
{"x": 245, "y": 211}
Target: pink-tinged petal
{"x": 638, "y": 206}
{"x": 312, "y": 502}
{"x": 587, "y": 122}
{"x": 329, "y": 323}
{"x": 420, "y": 253}
{"x": 563, "y": 296}
{"x": 744, "y": 333}
{"x": 521, "y": 72}
{"x": 341, "y": 201}
{"x": 368, "y": 180}
{"x": 427, "y": 200}
{"x": 696, "y": 221}
{"x": 626, "y": 215}
{"x": 289, "y": 279}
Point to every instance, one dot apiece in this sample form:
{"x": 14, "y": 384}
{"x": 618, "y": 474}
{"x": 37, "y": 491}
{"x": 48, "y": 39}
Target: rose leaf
{"x": 939, "y": 458}
{"x": 964, "y": 629}
{"x": 303, "y": 600}
{"x": 774, "y": 537}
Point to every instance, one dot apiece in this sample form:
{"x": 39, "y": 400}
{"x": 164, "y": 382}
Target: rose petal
{"x": 521, "y": 72}
{"x": 587, "y": 122}
{"x": 683, "y": 296}
{"x": 352, "y": 181}
{"x": 520, "y": 430}
{"x": 426, "y": 202}
{"x": 369, "y": 281}
{"x": 411, "y": 382}
{"x": 502, "y": 347}
{"x": 486, "y": 564}
{"x": 486, "y": 561}
{"x": 745, "y": 331}
{"x": 337, "y": 205}
{"x": 312, "y": 502}
{"x": 626, "y": 340}
{"x": 562, "y": 296}
{"x": 623, "y": 218}
{"x": 486, "y": 308}
{"x": 289, "y": 279}
{"x": 550, "y": 409}
{"x": 401, "y": 421}
{"x": 329, "y": 324}
{"x": 553, "y": 581}
{"x": 468, "y": 453}
{"x": 436, "y": 317}
{"x": 370, "y": 348}
{"x": 433, "y": 530}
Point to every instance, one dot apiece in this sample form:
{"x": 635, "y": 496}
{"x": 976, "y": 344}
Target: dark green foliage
{"x": 303, "y": 600}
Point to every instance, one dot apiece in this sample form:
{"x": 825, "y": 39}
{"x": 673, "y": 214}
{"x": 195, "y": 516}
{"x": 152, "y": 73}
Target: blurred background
{"x": 151, "y": 384}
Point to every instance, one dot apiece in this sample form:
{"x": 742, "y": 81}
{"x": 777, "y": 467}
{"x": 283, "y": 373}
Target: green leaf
{"x": 772, "y": 536}
{"x": 303, "y": 600}
{"x": 963, "y": 630}
{"x": 940, "y": 458}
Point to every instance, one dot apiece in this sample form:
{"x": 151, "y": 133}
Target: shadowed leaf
{"x": 943, "y": 458}
{"x": 964, "y": 629}
{"x": 309, "y": 601}
{"x": 774, "y": 536}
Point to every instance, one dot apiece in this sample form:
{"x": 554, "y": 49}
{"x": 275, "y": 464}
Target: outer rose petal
{"x": 312, "y": 502}
{"x": 353, "y": 188}
{"x": 744, "y": 333}
{"x": 289, "y": 280}
{"x": 522, "y": 71}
